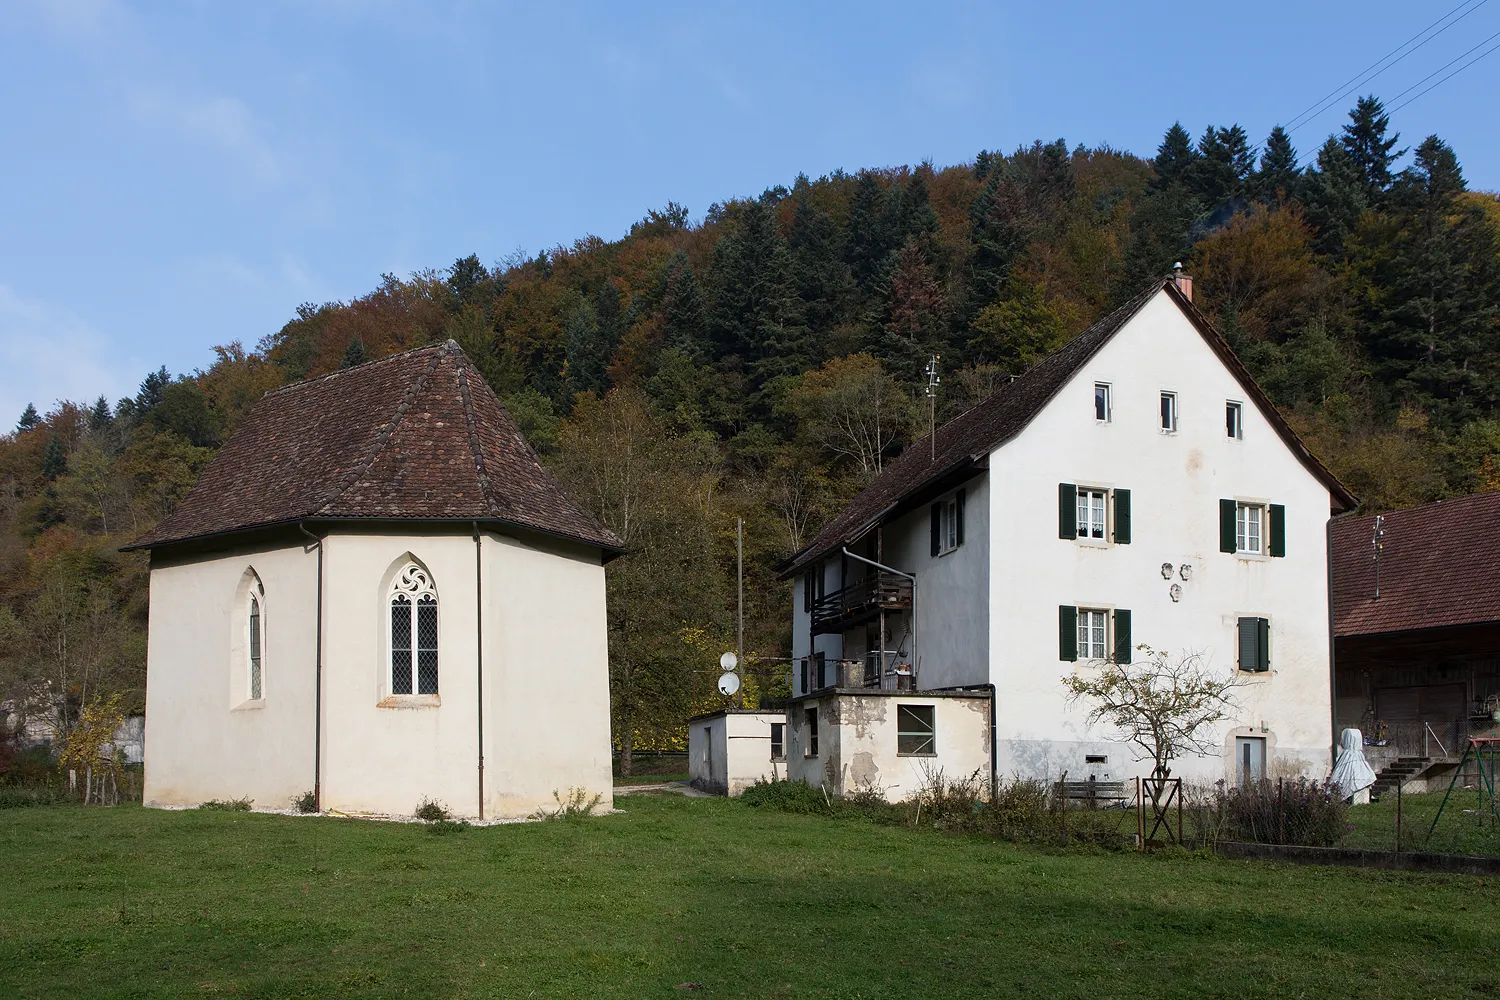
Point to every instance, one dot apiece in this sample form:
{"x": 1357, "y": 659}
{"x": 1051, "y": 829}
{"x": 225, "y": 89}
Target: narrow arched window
{"x": 414, "y": 633}
{"x": 256, "y": 645}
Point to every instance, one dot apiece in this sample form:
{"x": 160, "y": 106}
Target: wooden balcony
{"x": 860, "y": 602}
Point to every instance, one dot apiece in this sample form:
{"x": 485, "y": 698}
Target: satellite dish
{"x": 729, "y": 683}
{"x": 729, "y": 661}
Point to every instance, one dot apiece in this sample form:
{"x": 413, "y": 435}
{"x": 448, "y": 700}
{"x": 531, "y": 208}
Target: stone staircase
{"x": 1401, "y": 770}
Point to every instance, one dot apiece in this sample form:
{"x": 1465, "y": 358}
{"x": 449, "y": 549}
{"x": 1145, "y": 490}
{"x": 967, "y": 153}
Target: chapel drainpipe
{"x": 317, "y": 543}
{"x": 479, "y": 653}
{"x": 892, "y": 569}
{"x": 1333, "y": 690}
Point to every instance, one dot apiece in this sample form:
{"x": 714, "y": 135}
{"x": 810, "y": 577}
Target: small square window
{"x": 1091, "y": 513}
{"x": 1234, "y": 419}
{"x": 1101, "y": 402}
{"x": 1169, "y": 411}
{"x": 778, "y": 741}
{"x": 1093, "y": 634}
{"x": 915, "y": 730}
{"x": 811, "y": 725}
{"x": 1249, "y": 528}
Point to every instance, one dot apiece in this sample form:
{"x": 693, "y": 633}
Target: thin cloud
{"x": 224, "y": 122}
{"x": 48, "y": 355}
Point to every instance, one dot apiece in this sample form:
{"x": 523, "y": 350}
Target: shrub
{"x": 305, "y": 803}
{"x": 787, "y": 796}
{"x": 432, "y": 811}
{"x": 226, "y": 805}
{"x": 1301, "y": 812}
{"x": 20, "y": 797}
{"x": 578, "y": 805}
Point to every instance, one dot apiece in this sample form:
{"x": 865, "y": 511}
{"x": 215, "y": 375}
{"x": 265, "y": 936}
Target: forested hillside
{"x": 763, "y": 363}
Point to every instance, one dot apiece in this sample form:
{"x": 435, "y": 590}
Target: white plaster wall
{"x": 857, "y": 745}
{"x": 707, "y": 768}
{"x": 1176, "y": 481}
{"x": 204, "y": 739}
{"x": 952, "y": 592}
{"x": 547, "y": 686}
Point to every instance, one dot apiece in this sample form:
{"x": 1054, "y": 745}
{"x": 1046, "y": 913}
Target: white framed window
{"x": 1093, "y": 634}
{"x": 255, "y": 643}
{"x": 916, "y": 731}
{"x": 1169, "y": 412}
{"x": 1249, "y": 528}
{"x": 413, "y": 633}
{"x": 1103, "y": 405}
{"x": 1234, "y": 419}
{"x": 947, "y": 526}
{"x": 1093, "y": 506}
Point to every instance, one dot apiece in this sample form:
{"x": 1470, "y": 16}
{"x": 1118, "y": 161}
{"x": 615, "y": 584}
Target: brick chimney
{"x": 1184, "y": 282}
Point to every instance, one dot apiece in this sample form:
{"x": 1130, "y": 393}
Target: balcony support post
{"x": 913, "y": 579}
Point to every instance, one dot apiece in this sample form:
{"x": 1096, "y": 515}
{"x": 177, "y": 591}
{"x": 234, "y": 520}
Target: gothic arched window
{"x": 414, "y": 632}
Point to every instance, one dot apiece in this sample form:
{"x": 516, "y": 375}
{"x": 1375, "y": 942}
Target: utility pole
{"x": 932, "y": 387}
{"x": 739, "y": 559}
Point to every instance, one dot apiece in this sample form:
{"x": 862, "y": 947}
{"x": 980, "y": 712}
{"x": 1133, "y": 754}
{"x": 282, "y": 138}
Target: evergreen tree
{"x": 868, "y": 240}
{"x": 1334, "y": 193}
{"x": 354, "y": 354}
{"x": 29, "y": 418}
{"x": 588, "y": 352}
{"x": 467, "y": 281}
{"x": 1430, "y": 276}
{"x": 1174, "y": 158}
{"x": 915, "y": 310}
{"x": 983, "y": 164}
{"x": 997, "y": 235}
{"x": 684, "y": 319}
{"x": 1223, "y": 165}
{"x": 908, "y": 209}
{"x": 54, "y": 459}
{"x": 1278, "y": 178}
{"x": 99, "y": 415}
{"x": 1372, "y": 153}
{"x": 821, "y": 278}
{"x": 151, "y": 390}
{"x": 756, "y": 313}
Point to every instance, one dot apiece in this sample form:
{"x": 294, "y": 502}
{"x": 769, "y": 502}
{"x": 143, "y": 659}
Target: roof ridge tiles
{"x": 476, "y": 449}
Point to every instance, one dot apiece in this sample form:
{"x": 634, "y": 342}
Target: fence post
{"x": 1399, "y": 783}
{"x": 1280, "y": 811}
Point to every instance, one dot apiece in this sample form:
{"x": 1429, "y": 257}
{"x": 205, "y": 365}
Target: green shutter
{"x": 1278, "y": 530}
{"x": 1122, "y": 636}
{"x": 1067, "y": 632}
{"x": 937, "y": 523}
{"x": 1263, "y": 644}
{"x": 1122, "y": 518}
{"x": 1067, "y": 511}
{"x": 959, "y": 513}
{"x": 1226, "y": 526}
{"x": 1248, "y": 639}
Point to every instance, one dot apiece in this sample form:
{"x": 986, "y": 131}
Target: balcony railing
{"x": 862, "y": 673}
{"x": 860, "y": 601}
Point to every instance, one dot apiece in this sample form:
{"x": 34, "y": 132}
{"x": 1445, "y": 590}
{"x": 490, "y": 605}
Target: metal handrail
{"x": 1428, "y": 731}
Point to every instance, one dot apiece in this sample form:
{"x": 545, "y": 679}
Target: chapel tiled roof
{"x": 992, "y": 422}
{"x": 418, "y": 435}
{"x": 1439, "y": 565}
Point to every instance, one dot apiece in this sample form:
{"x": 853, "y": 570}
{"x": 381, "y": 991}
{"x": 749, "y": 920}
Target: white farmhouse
{"x": 376, "y": 593}
{"x": 1134, "y": 487}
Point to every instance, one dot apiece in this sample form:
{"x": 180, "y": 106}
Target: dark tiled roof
{"x": 989, "y": 424}
{"x": 1439, "y": 565}
{"x": 419, "y": 435}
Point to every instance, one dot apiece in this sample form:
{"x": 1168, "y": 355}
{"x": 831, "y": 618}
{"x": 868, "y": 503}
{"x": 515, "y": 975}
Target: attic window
{"x": 1234, "y": 419}
{"x": 1102, "y": 402}
{"x": 1169, "y": 412}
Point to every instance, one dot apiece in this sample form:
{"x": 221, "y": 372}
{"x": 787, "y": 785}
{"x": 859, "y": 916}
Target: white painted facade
{"x": 540, "y": 628}
{"x": 731, "y": 750}
{"x": 988, "y": 611}
{"x": 857, "y": 747}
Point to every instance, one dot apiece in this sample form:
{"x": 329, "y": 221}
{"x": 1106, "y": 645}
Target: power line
{"x": 1364, "y": 76}
{"x": 1442, "y": 68}
{"x": 1450, "y": 76}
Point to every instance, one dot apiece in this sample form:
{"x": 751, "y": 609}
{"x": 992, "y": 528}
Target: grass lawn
{"x": 140, "y": 903}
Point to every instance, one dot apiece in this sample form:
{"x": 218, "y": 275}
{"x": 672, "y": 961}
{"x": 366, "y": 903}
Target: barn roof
{"x": 415, "y": 436}
{"x": 965, "y": 441}
{"x": 1439, "y": 566}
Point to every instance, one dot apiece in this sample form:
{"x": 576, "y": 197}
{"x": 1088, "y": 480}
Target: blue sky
{"x": 176, "y": 176}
